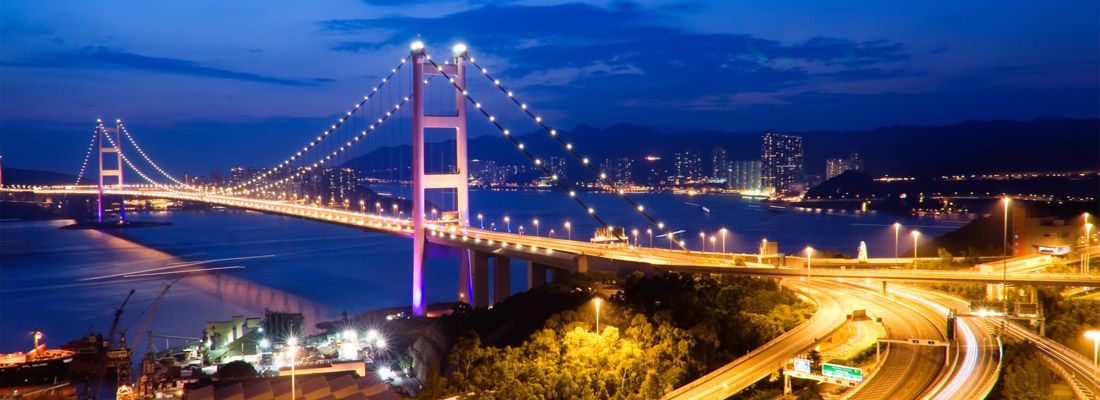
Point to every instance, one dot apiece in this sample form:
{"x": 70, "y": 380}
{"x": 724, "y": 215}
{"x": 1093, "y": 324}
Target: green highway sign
{"x": 842, "y": 372}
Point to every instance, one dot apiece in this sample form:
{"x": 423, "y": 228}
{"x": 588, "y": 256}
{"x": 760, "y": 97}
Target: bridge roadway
{"x": 574, "y": 255}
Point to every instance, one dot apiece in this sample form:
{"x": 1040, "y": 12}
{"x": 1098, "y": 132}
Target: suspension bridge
{"x": 402, "y": 103}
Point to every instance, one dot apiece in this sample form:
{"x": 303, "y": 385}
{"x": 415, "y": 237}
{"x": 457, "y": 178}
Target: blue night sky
{"x": 205, "y": 79}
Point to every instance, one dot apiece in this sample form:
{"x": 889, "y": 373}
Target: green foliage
{"x": 1067, "y": 321}
{"x": 1024, "y": 376}
{"x": 235, "y": 371}
{"x": 567, "y": 360}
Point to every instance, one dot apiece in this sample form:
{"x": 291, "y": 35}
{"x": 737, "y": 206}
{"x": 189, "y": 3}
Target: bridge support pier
{"x": 502, "y": 278}
{"x": 465, "y": 276}
{"x": 883, "y": 288}
{"x": 481, "y": 279}
{"x": 536, "y": 274}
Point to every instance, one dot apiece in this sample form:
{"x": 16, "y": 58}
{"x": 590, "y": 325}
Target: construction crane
{"x": 102, "y": 368}
{"x": 149, "y": 318}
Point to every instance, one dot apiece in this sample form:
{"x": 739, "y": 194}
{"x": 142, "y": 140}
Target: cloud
{"x": 97, "y": 57}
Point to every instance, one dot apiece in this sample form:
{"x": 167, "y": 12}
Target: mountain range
{"x": 1045, "y": 144}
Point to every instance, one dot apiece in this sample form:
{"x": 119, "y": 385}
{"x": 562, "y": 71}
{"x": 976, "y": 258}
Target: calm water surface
{"x": 50, "y": 278}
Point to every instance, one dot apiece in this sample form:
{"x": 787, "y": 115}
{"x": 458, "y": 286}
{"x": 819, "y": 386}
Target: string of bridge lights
{"x": 102, "y": 129}
{"x": 325, "y": 134}
{"x": 334, "y": 153}
{"x": 150, "y": 160}
{"x": 87, "y": 156}
{"x": 569, "y": 148}
{"x": 520, "y": 146}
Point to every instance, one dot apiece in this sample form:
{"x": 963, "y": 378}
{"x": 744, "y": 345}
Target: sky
{"x": 204, "y": 80}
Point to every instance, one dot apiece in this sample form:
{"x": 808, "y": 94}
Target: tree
{"x": 236, "y": 371}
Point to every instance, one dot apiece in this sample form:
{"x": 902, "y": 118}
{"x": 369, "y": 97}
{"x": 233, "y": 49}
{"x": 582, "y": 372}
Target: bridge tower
{"x": 458, "y": 180}
{"x": 112, "y": 153}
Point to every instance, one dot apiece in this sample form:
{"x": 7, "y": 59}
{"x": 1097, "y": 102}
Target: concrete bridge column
{"x": 502, "y": 278}
{"x": 481, "y": 279}
{"x": 536, "y": 274}
{"x": 465, "y": 276}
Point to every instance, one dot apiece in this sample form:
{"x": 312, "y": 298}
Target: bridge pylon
{"x": 109, "y": 153}
{"x": 457, "y": 180}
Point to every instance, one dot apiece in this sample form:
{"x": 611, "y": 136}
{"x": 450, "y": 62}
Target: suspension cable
{"x": 87, "y": 156}
{"x": 126, "y": 132}
{"x": 538, "y": 162}
{"x": 132, "y": 166}
{"x": 325, "y": 134}
{"x": 570, "y": 149}
{"x": 334, "y": 153}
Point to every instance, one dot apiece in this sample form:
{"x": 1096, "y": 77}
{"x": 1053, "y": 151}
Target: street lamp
{"x": 635, "y": 232}
{"x": 1088, "y": 227}
{"x": 509, "y": 222}
{"x": 916, "y": 239}
{"x": 1093, "y": 335}
{"x": 809, "y": 261}
{"x": 650, "y": 232}
{"x": 897, "y": 235}
{"x": 293, "y": 343}
{"x": 536, "y": 222}
{"x": 1004, "y": 270}
{"x": 569, "y": 230}
{"x": 481, "y": 220}
{"x": 598, "y": 302}
{"x": 713, "y": 243}
{"x": 395, "y": 210}
{"x": 702, "y": 241}
{"x": 723, "y": 232}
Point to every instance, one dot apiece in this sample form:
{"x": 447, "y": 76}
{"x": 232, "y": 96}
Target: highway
{"x": 731, "y": 378}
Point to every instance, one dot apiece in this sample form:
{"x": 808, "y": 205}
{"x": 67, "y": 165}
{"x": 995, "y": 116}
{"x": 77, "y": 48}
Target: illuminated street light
{"x": 569, "y": 230}
{"x": 809, "y": 261}
{"x": 509, "y": 222}
{"x": 598, "y": 302}
{"x": 897, "y": 235}
{"x": 650, "y": 232}
{"x": 635, "y": 232}
{"x": 723, "y": 231}
{"x": 481, "y": 220}
{"x": 702, "y": 241}
{"x": 1093, "y": 335}
{"x": 536, "y": 222}
{"x": 1004, "y": 270}
{"x": 264, "y": 343}
{"x": 1088, "y": 242}
{"x": 292, "y": 342}
{"x": 916, "y": 239}
{"x": 713, "y": 243}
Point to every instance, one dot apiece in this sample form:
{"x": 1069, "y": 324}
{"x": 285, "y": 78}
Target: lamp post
{"x": 723, "y": 231}
{"x": 598, "y": 302}
{"x": 897, "y": 235}
{"x": 1088, "y": 227}
{"x": 293, "y": 343}
{"x": 481, "y": 220}
{"x": 713, "y": 243}
{"x": 1004, "y": 270}
{"x": 916, "y": 242}
{"x": 508, "y": 222}
{"x": 569, "y": 230}
{"x": 536, "y": 222}
{"x": 809, "y": 261}
{"x": 395, "y": 210}
{"x": 702, "y": 241}
{"x": 635, "y": 232}
{"x": 650, "y": 232}
{"x": 1093, "y": 335}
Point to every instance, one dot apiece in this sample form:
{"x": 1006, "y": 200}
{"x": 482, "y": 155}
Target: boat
{"x": 40, "y": 366}
{"x": 701, "y": 207}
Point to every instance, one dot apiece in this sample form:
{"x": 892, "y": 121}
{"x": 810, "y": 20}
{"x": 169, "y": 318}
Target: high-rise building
{"x": 719, "y": 167}
{"x": 781, "y": 160}
{"x": 556, "y": 165}
{"x": 689, "y": 168}
{"x": 620, "y": 171}
{"x": 837, "y": 166}
{"x": 745, "y": 175}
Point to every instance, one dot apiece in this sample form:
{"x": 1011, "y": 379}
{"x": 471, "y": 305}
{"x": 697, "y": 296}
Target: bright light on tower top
{"x": 417, "y": 46}
{"x": 459, "y": 49}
